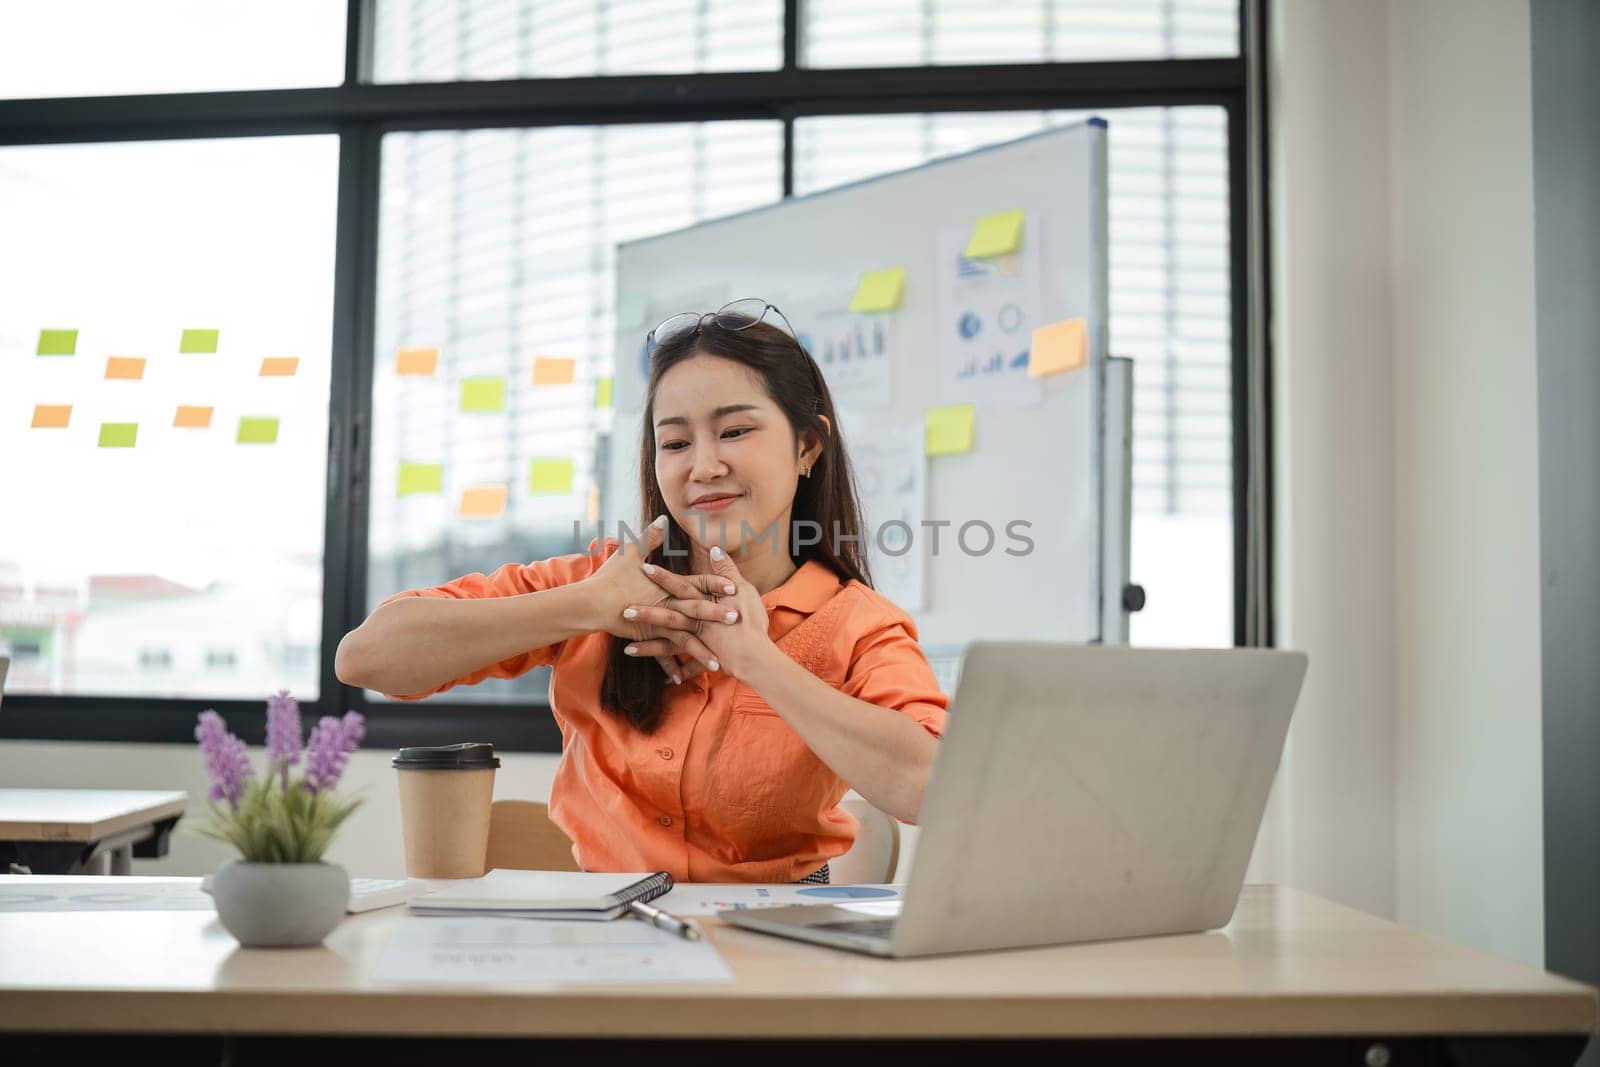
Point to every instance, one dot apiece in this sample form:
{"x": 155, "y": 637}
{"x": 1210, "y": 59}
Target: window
{"x": 164, "y": 367}
{"x": 496, "y": 257}
{"x": 210, "y": 511}
{"x": 113, "y": 47}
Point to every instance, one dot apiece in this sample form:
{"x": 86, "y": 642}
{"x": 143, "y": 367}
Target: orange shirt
{"x": 724, "y": 790}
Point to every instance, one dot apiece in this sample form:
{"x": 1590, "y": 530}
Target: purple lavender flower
{"x": 227, "y": 761}
{"x": 328, "y": 749}
{"x": 283, "y": 734}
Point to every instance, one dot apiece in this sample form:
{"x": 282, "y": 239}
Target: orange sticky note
{"x": 191, "y": 418}
{"x": 51, "y": 416}
{"x": 549, "y": 370}
{"x": 1058, "y": 347}
{"x": 279, "y": 366}
{"x": 423, "y": 361}
{"x": 129, "y": 367}
{"x": 483, "y": 502}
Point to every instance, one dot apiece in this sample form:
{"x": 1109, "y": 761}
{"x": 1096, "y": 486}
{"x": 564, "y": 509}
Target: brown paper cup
{"x": 445, "y": 797}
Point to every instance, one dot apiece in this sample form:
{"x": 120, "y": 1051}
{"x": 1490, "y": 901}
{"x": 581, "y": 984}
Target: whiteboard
{"x": 1037, "y": 460}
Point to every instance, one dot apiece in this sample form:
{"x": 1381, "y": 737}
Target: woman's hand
{"x": 629, "y": 605}
{"x": 737, "y": 641}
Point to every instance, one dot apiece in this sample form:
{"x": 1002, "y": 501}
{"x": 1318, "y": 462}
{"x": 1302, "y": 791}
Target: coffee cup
{"x": 445, "y": 795}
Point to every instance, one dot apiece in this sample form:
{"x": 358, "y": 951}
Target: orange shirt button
{"x": 665, "y": 753}
{"x": 665, "y": 820}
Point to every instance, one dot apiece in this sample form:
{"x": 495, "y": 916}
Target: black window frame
{"x": 360, "y": 113}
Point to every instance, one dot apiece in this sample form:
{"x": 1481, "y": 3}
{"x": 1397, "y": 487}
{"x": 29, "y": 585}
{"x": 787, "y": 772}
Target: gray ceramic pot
{"x": 280, "y": 905}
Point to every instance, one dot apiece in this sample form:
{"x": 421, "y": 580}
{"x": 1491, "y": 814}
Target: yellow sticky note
{"x": 257, "y": 430}
{"x": 198, "y": 341}
{"x": 126, "y": 367}
{"x": 879, "y": 290}
{"x": 420, "y": 478}
{"x": 483, "y": 394}
{"x": 423, "y": 361}
{"x": 51, "y": 416}
{"x": 1058, "y": 347}
{"x": 279, "y": 366}
{"x": 483, "y": 502}
{"x": 550, "y": 475}
{"x": 995, "y": 235}
{"x": 190, "y": 417}
{"x": 57, "y": 343}
{"x": 550, "y": 370}
{"x": 602, "y": 392}
{"x": 948, "y": 430}
{"x": 118, "y": 434}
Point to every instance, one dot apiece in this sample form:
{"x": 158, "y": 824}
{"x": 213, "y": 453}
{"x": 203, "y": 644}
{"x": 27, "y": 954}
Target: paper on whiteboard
{"x": 708, "y": 899}
{"x": 477, "y": 950}
{"x": 855, "y": 350}
{"x": 988, "y": 310}
{"x": 892, "y": 481}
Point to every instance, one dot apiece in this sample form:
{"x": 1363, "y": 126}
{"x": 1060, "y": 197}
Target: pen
{"x": 660, "y": 919}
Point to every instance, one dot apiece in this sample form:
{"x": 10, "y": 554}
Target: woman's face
{"x": 726, "y": 457}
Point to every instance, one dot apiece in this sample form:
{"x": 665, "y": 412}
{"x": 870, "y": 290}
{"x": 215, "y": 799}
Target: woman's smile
{"x": 713, "y": 502}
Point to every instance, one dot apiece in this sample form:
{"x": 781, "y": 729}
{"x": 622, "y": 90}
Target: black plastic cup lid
{"x": 467, "y": 756}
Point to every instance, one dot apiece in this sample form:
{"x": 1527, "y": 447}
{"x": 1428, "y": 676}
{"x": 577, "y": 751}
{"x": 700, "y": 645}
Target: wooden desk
{"x": 75, "y": 831}
{"x": 1302, "y": 979}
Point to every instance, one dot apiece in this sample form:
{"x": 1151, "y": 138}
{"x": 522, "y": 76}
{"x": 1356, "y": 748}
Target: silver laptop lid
{"x": 1088, "y": 792}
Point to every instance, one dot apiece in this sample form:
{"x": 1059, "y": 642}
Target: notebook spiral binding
{"x": 646, "y": 889}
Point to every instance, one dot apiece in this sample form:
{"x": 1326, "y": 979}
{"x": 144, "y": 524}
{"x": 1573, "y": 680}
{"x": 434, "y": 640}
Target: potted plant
{"x": 279, "y": 892}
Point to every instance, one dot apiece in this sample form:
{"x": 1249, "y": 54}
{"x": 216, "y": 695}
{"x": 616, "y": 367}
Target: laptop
{"x": 1082, "y": 792}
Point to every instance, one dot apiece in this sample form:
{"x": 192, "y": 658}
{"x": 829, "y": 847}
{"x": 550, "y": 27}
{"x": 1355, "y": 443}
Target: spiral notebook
{"x": 544, "y": 894}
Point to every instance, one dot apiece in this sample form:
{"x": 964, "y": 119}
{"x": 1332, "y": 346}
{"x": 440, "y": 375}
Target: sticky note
{"x": 549, "y": 370}
{"x": 129, "y": 368}
{"x": 279, "y": 366}
{"x": 995, "y": 235}
{"x": 879, "y": 290}
{"x": 257, "y": 430}
{"x": 420, "y": 478}
{"x": 51, "y": 416}
{"x": 483, "y": 502}
{"x": 57, "y": 343}
{"x": 198, "y": 341}
{"x": 550, "y": 475}
{"x": 118, "y": 434}
{"x": 948, "y": 430}
{"x": 191, "y": 418}
{"x": 602, "y": 392}
{"x": 483, "y": 394}
{"x": 423, "y": 361}
{"x": 1058, "y": 347}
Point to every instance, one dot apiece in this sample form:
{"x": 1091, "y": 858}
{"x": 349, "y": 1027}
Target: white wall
{"x": 1407, "y": 439}
{"x": 1470, "y": 814}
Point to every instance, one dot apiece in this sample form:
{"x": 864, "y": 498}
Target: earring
{"x": 807, "y": 470}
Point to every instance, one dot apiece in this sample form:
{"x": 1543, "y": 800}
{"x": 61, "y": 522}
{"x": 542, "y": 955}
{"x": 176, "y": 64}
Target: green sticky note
{"x": 118, "y": 434}
{"x": 483, "y": 394}
{"x": 948, "y": 430}
{"x": 57, "y": 343}
{"x": 879, "y": 290}
{"x": 198, "y": 341}
{"x": 550, "y": 475}
{"x": 602, "y": 392}
{"x": 421, "y": 478}
{"x": 258, "y": 431}
{"x": 995, "y": 235}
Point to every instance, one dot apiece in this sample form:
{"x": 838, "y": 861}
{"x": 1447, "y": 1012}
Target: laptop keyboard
{"x": 864, "y": 927}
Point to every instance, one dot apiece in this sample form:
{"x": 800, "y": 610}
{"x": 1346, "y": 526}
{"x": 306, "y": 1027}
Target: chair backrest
{"x": 522, "y": 838}
{"x": 876, "y": 853}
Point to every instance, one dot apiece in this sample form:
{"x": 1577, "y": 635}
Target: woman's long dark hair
{"x": 633, "y": 687}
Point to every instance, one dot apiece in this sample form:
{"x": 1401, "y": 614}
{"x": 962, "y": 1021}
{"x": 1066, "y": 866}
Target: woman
{"x": 719, "y": 693}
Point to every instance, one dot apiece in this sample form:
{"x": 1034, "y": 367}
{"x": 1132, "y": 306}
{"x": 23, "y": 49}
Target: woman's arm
{"x": 884, "y": 755}
{"x": 418, "y": 643}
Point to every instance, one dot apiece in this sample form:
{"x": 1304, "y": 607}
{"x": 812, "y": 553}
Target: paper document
{"x": 708, "y": 899}
{"x": 105, "y": 894}
{"x": 476, "y": 950}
